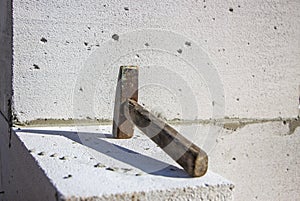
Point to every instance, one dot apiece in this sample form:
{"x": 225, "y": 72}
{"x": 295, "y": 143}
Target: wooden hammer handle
{"x": 193, "y": 160}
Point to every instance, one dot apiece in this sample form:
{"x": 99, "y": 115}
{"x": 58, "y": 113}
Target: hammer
{"x": 129, "y": 113}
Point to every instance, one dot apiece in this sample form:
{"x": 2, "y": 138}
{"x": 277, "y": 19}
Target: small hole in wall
{"x": 86, "y": 43}
{"x": 110, "y": 169}
{"x": 126, "y": 8}
{"x": 44, "y": 40}
{"x": 188, "y": 43}
{"x": 275, "y": 27}
{"x": 179, "y": 51}
{"x": 147, "y": 44}
{"x": 68, "y": 176}
{"x": 53, "y": 155}
{"x": 231, "y": 9}
{"x": 36, "y": 66}
{"x": 115, "y": 37}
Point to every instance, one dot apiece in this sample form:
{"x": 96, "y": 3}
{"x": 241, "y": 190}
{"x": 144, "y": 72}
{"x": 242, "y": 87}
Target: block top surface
{"x": 87, "y": 161}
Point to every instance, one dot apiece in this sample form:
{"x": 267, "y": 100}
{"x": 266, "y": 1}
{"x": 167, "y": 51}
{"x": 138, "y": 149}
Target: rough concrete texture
{"x": 86, "y": 163}
{"x": 261, "y": 159}
{"x": 67, "y": 54}
{"x": 66, "y": 60}
{"x": 20, "y": 176}
{"x": 5, "y": 58}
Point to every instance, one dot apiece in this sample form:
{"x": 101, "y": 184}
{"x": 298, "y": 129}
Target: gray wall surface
{"x": 21, "y": 178}
{"x": 198, "y": 59}
{"x": 5, "y": 58}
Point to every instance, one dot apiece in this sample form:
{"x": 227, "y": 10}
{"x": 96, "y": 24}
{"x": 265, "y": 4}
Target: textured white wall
{"x": 66, "y": 60}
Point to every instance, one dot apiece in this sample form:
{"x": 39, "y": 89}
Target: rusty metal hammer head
{"x": 127, "y": 88}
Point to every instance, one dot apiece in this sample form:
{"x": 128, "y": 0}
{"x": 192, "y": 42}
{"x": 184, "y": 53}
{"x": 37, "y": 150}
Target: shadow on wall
{"x": 138, "y": 160}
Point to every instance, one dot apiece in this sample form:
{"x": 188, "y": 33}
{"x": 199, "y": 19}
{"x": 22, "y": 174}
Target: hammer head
{"x": 127, "y": 88}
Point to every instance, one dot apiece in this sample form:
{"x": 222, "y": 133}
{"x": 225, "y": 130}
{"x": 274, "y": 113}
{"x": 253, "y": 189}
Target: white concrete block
{"x": 66, "y": 61}
{"x": 261, "y": 159}
{"x": 87, "y": 163}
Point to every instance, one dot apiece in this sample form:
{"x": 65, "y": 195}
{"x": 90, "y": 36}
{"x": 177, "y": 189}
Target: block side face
{"x": 21, "y": 177}
{"x": 220, "y": 193}
{"x": 6, "y": 58}
{"x": 256, "y": 55}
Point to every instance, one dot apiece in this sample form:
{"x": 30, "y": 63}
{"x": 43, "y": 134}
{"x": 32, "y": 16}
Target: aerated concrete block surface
{"x": 261, "y": 159}
{"x": 87, "y": 163}
{"x": 240, "y": 59}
